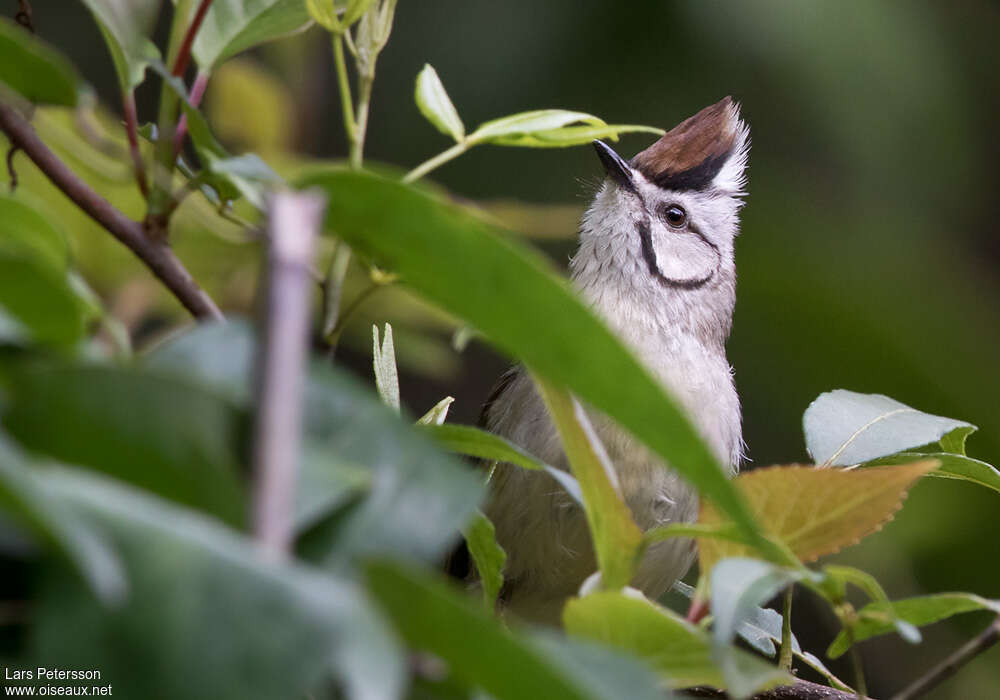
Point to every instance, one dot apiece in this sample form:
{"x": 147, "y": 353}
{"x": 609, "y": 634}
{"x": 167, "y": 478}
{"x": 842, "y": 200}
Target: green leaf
{"x": 207, "y": 616}
{"x": 431, "y": 616}
{"x": 25, "y": 229}
{"x": 761, "y": 629}
{"x": 474, "y": 442}
{"x": 739, "y": 586}
{"x": 231, "y": 177}
{"x": 878, "y": 618}
{"x": 41, "y": 299}
{"x": 412, "y": 499}
{"x": 615, "y": 535}
{"x": 844, "y": 427}
{"x": 954, "y": 441}
{"x": 35, "y": 70}
{"x": 24, "y": 498}
{"x": 454, "y": 260}
{"x": 233, "y": 26}
{"x": 438, "y": 413}
{"x": 126, "y": 25}
{"x": 166, "y": 436}
{"x": 419, "y": 497}
{"x": 844, "y": 575}
{"x": 489, "y": 557}
{"x": 468, "y": 440}
{"x": 384, "y": 363}
{"x": 436, "y": 106}
{"x": 953, "y": 466}
{"x": 567, "y": 136}
{"x": 337, "y": 15}
{"x": 549, "y": 128}
{"x": 680, "y": 652}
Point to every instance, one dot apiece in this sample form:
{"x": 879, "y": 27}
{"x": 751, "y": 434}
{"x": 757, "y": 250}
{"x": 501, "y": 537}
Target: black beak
{"x": 616, "y": 168}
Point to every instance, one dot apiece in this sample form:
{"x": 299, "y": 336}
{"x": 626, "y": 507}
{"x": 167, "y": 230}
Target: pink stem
{"x": 197, "y": 92}
{"x": 132, "y": 129}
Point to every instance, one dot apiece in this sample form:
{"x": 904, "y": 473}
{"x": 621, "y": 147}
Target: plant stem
{"x": 132, "y": 130}
{"x": 344, "y": 83}
{"x": 182, "y": 36}
{"x": 785, "y": 656}
{"x": 947, "y": 668}
{"x": 859, "y": 671}
{"x": 156, "y": 255}
{"x": 333, "y": 337}
{"x": 197, "y": 92}
{"x": 183, "y": 57}
{"x": 365, "y": 83}
{"x": 436, "y": 162}
{"x": 294, "y": 223}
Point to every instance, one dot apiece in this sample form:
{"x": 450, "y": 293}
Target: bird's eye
{"x": 675, "y": 216}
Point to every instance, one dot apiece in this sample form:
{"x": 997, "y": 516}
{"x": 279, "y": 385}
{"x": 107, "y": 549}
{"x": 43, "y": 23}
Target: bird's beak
{"x": 616, "y": 168}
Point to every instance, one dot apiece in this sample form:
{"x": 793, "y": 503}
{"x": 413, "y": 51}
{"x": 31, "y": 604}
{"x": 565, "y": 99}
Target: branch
{"x": 947, "y": 668}
{"x": 156, "y": 255}
{"x": 184, "y": 54}
{"x": 294, "y": 221}
{"x": 800, "y": 690}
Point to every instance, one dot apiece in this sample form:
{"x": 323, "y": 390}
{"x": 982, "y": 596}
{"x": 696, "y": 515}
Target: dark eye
{"x": 675, "y": 216}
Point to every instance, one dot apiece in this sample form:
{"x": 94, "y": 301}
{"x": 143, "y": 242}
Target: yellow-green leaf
{"x": 815, "y": 511}
{"x": 616, "y": 536}
{"x": 488, "y": 555}
{"x": 433, "y": 101}
{"x": 680, "y": 652}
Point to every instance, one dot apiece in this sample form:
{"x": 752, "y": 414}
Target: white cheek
{"x": 682, "y": 256}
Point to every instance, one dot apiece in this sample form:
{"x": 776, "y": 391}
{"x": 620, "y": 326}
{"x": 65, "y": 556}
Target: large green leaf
{"x": 24, "y": 498}
{"x": 844, "y": 427}
{"x": 410, "y": 497}
{"x": 881, "y": 617}
{"x": 233, "y": 26}
{"x": 207, "y": 616}
{"x": 678, "y": 650}
{"x": 482, "y": 654}
{"x": 453, "y": 259}
{"x": 126, "y": 25}
{"x": 419, "y": 497}
{"x": 170, "y": 437}
{"x": 34, "y": 70}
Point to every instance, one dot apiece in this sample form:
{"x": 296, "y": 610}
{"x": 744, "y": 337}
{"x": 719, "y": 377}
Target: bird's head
{"x": 673, "y": 208}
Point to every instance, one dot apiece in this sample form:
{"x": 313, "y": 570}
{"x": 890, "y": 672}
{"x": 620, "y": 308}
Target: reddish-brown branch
{"x": 156, "y": 255}
{"x": 132, "y": 129}
{"x": 799, "y": 690}
{"x": 184, "y": 53}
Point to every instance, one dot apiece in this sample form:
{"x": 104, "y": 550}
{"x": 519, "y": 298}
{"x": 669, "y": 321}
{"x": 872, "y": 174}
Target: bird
{"x": 656, "y": 262}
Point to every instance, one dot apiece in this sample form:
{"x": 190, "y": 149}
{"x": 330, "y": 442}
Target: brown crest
{"x": 691, "y": 154}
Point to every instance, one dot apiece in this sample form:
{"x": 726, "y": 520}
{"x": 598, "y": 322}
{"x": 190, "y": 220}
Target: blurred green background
{"x": 869, "y": 254}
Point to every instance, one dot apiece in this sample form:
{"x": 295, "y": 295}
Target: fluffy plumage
{"x": 668, "y": 291}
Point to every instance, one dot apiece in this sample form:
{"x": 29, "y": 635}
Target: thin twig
{"x": 157, "y": 256}
{"x": 785, "y": 656}
{"x": 437, "y": 161}
{"x": 951, "y": 665}
{"x": 184, "y": 54}
{"x": 11, "y": 152}
{"x": 294, "y": 223}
